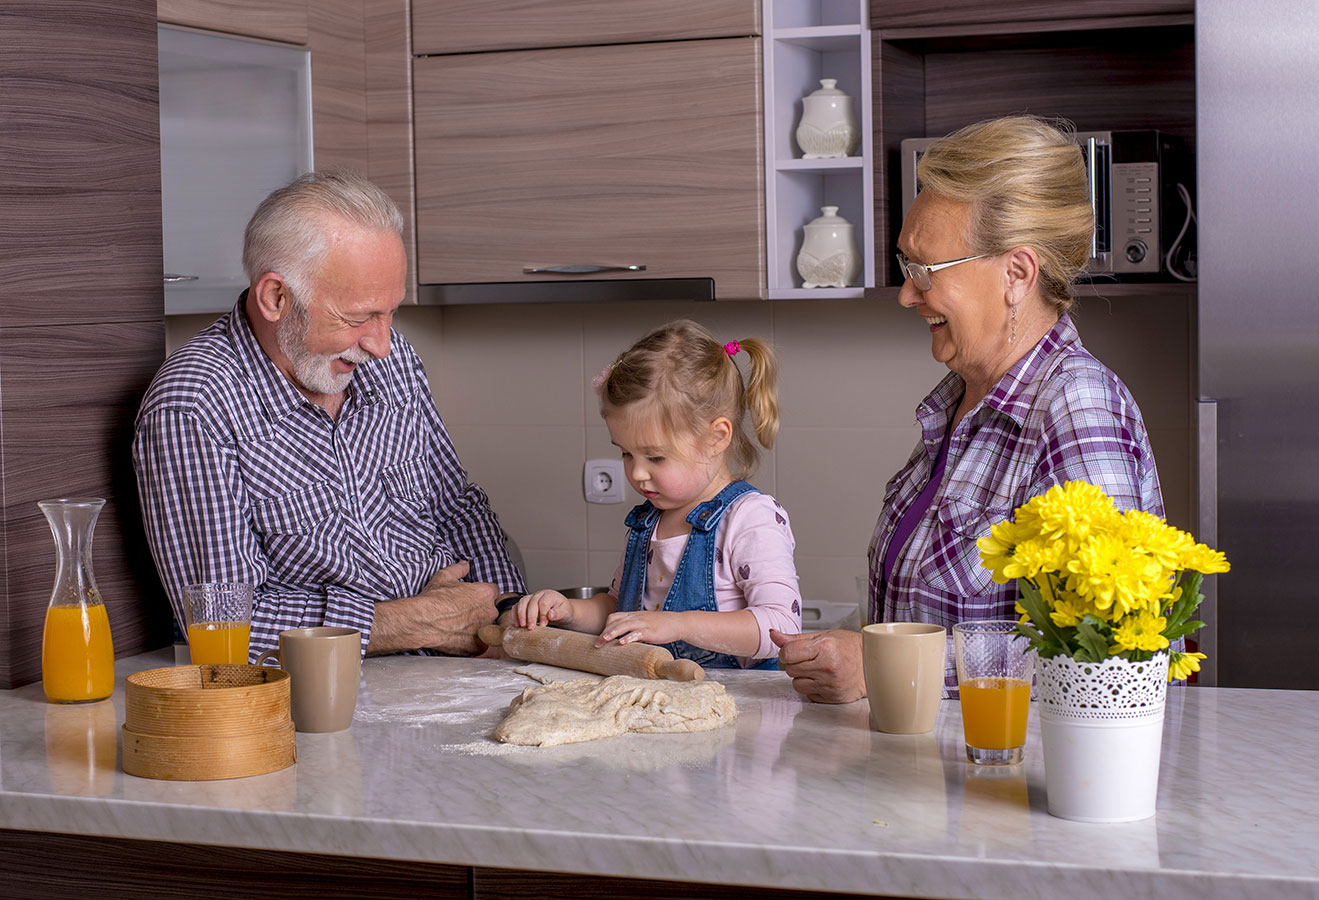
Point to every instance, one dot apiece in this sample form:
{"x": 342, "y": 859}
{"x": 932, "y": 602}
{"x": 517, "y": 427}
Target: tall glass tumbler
{"x": 994, "y": 673}
{"x": 219, "y": 621}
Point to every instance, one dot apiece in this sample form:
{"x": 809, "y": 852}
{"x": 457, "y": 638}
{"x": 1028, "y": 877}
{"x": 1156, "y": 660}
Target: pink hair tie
{"x": 732, "y": 348}
{"x": 598, "y": 382}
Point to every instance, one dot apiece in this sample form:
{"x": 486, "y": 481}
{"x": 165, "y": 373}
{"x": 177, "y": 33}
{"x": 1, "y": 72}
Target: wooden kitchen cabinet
{"x": 274, "y": 20}
{"x": 466, "y": 26}
{"x": 907, "y": 13}
{"x": 639, "y": 154}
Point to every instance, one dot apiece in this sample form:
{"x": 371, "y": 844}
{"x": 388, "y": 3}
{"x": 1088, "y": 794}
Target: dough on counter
{"x": 547, "y": 674}
{"x": 566, "y": 712}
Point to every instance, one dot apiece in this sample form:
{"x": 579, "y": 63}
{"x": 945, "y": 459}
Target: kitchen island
{"x": 793, "y": 796}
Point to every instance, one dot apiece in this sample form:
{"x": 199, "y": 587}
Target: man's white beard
{"x": 312, "y": 370}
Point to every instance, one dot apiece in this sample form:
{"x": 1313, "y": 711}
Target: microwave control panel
{"x": 1135, "y": 217}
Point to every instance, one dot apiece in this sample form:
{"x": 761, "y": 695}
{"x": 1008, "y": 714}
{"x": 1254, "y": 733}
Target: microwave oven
{"x": 1140, "y": 183}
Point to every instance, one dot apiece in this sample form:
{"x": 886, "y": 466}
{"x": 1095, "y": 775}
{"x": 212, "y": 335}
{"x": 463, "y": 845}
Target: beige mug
{"x": 903, "y": 664}
{"x": 324, "y": 665}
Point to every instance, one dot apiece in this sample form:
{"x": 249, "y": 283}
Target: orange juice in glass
{"x": 219, "y": 621}
{"x": 993, "y": 678}
{"x": 218, "y": 642}
{"x": 77, "y": 654}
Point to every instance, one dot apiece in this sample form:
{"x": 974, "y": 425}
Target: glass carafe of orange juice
{"x": 77, "y": 653}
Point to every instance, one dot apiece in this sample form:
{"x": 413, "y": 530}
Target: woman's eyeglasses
{"x": 919, "y": 273}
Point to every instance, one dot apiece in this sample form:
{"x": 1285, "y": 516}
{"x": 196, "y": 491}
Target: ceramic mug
{"x": 324, "y": 665}
{"x": 903, "y": 663}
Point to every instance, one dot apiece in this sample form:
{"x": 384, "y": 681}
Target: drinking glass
{"x": 219, "y": 620}
{"x": 994, "y": 677}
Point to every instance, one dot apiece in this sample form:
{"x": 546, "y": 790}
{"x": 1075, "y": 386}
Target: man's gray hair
{"x": 290, "y": 231}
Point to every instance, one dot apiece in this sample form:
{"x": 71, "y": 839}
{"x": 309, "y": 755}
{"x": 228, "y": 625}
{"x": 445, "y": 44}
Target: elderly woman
{"x": 989, "y": 250}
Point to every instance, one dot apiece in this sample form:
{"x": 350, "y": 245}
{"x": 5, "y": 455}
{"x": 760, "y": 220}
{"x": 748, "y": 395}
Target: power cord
{"x": 1172, "y": 250}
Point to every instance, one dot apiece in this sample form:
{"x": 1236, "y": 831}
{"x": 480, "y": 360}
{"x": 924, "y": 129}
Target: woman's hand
{"x": 825, "y": 666}
{"x": 653, "y": 627}
{"x": 543, "y": 608}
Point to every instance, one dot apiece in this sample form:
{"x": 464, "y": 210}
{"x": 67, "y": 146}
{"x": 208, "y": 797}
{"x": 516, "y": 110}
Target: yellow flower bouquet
{"x": 1097, "y": 582}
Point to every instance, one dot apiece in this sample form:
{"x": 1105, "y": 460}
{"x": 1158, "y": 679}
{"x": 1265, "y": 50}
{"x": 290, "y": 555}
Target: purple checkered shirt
{"x": 243, "y": 479}
{"x": 1057, "y": 415}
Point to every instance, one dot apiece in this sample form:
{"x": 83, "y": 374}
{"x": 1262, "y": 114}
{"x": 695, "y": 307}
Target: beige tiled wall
{"x": 512, "y": 383}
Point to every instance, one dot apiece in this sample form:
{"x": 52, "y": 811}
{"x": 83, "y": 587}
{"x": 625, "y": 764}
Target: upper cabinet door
{"x": 274, "y": 20}
{"x": 639, "y": 154}
{"x": 464, "y": 26}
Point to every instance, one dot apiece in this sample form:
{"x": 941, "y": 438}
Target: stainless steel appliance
{"x": 1256, "y": 124}
{"x": 1141, "y": 189}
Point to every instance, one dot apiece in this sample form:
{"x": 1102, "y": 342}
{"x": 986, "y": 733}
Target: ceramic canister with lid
{"x": 828, "y": 126}
{"x": 829, "y": 255}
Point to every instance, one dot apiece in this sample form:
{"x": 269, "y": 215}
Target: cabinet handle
{"x": 580, "y": 269}
{"x": 171, "y": 278}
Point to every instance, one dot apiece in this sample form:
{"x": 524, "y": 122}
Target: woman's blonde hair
{"x": 689, "y": 379}
{"x": 1025, "y": 179}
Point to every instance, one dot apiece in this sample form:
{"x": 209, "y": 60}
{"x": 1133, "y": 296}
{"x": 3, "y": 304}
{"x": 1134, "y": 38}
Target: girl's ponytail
{"x": 762, "y": 401}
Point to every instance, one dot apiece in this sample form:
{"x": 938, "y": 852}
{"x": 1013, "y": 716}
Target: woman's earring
{"x": 1012, "y": 338}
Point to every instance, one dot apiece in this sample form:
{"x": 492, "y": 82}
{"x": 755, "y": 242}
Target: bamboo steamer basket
{"x": 201, "y": 723}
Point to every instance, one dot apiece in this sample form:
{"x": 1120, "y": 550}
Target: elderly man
{"x": 294, "y": 443}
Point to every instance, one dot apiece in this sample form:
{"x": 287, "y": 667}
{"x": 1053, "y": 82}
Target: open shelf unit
{"x": 805, "y": 41}
{"x": 1102, "y": 64}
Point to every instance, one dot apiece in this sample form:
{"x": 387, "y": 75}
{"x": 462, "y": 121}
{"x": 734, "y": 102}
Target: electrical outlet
{"x": 603, "y": 481}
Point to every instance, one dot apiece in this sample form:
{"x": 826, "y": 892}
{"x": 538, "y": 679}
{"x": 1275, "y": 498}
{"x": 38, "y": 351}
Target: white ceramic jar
{"x": 829, "y": 256}
{"x": 828, "y": 126}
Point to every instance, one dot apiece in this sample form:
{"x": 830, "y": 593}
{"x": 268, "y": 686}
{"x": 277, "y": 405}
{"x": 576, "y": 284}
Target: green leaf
{"x": 1190, "y": 599}
{"x": 1038, "y": 611}
{"x": 1094, "y": 646}
{"x": 1182, "y": 630}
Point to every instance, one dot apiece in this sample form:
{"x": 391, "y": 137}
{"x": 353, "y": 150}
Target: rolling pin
{"x": 576, "y": 650}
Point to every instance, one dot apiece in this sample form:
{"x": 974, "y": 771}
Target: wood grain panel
{"x": 903, "y": 13}
{"x": 389, "y": 114}
{"x": 510, "y": 884}
{"x": 464, "y": 26}
{"x": 899, "y": 96}
{"x": 80, "y": 183}
{"x": 75, "y": 867}
{"x": 641, "y": 154}
{"x": 275, "y": 20}
{"x": 337, "y": 40}
{"x": 1132, "y": 78}
{"x": 41, "y": 866}
{"x": 68, "y": 397}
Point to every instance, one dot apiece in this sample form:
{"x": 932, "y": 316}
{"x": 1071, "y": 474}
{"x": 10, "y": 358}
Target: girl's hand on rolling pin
{"x": 653, "y": 627}
{"x": 543, "y": 608}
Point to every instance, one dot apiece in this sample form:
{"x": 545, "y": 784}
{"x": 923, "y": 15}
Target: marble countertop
{"x": 794, "y": 795}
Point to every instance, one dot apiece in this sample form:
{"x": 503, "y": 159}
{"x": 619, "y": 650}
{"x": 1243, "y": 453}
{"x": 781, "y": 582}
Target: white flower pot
{"x": 1101, "y": 725}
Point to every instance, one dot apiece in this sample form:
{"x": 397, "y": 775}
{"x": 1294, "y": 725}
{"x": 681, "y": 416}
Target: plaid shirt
{"x": 1057, "y": 415}
{"x": 243, "y": 479}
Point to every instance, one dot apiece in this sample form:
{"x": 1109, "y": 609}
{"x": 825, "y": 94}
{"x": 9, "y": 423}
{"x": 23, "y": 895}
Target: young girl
{"x": 708, "y": 569}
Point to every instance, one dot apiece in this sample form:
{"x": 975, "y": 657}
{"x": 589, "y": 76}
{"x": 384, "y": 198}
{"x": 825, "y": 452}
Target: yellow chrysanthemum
{"x": 1066, "y": 613}
{"x": 1156, "y": 538}
{"x": 1139, "y": 631}
{"x": 996, "y": 550}
{"x": 1108, "y": 576}
{"x": 1070, "y": 513}
{"x": 1181, "y": 665}
{"x": 1201, "y": 558}
{"x": 1087, "y": 558}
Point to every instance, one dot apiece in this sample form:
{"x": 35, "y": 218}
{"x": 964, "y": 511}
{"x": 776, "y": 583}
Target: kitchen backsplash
{"x": 513, "y": 386}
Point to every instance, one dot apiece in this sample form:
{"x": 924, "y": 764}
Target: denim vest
{"x": 693, "y": 582}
